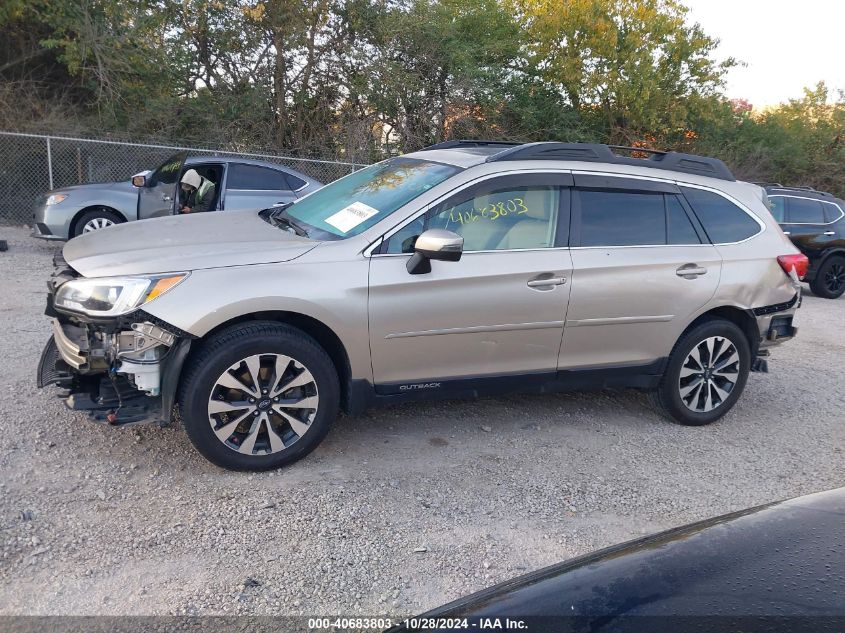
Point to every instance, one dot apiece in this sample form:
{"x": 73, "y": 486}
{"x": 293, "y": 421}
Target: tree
{"x": 632, "y": 67}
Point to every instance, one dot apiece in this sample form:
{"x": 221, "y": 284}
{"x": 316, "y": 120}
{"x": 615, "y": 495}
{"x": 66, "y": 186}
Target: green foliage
{"x": 366, "y": 78}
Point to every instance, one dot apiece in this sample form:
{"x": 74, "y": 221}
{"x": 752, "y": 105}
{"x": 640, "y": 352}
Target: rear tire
{"x": 258, "y": 396}
{"x": 95, "y": 220}
{"x": 706, "y": 374}
{"x": 829, "y": 282}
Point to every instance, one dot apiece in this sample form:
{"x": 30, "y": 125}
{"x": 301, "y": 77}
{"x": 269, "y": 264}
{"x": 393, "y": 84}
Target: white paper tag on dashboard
{"x": 351, "y": 216}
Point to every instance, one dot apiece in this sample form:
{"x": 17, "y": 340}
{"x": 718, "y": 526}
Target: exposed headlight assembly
{"x": 113, "y": 296}
{"x": 56, "y": 198}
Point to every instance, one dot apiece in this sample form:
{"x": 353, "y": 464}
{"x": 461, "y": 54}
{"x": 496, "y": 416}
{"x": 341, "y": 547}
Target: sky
{"x": 787, "y": 45}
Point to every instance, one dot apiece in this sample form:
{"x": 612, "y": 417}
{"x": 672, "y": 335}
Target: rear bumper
{"x": 774, "y": 322}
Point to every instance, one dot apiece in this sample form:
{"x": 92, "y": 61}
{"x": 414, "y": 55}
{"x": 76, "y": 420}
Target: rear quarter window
{"x": 832, "y": 212}
{"x": 724, "y": 221}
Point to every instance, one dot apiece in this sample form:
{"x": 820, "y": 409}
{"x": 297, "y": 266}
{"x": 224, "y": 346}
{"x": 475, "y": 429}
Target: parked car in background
{"x": 777, "y": 567}
{"x": 815, "y": 222}
{"x": 466, "y": 268}
{"x": 240, "y": 184}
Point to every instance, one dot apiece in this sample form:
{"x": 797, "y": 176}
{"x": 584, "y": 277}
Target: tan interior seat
{"x": 481, "y": 234}
{"x": 536, "y": 228}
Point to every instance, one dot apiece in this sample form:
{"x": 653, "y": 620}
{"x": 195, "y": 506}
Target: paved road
{"x": 108, "y": 521}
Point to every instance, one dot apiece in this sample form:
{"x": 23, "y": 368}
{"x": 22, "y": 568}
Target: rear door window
{"x": 256, "y": 178}
{"x": 621, "y": 218}
{"x": 679, "y": 228}
{"x": 633, "y": 218}
{"x": 723, "y": 221}
{"x": 805, "y": 211}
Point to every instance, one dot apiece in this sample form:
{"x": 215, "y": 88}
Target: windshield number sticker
{"x": 351, "y": 216}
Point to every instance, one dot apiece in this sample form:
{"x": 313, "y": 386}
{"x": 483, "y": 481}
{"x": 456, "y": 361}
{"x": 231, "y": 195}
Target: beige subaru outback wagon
{"x": 469, "y": 267}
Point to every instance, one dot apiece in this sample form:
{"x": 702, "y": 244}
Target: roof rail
{"x": 470, "y": 143}
{"x": 598, "y": 153}
{"x": 802, "y": 188}
{"x": 768, "y": 184}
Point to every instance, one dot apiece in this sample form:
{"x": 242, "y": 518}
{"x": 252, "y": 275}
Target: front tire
{"x": 95, "y": 220}
{"x": 829, "y": 281}
{"x": 258, "y": 396}
{"x": 706, "y": 374}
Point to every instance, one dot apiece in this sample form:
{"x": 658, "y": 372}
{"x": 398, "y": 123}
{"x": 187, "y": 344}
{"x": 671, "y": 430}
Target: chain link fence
{"x": 31, "y": 164}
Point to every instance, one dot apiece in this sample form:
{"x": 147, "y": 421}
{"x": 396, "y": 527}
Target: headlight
{"x": 56, "y": 198}
{"x": 113, "y": 296}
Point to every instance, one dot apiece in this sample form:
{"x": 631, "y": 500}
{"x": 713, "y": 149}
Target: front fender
{"x": 124, "y": 203}
{"x": 213, "y": 297}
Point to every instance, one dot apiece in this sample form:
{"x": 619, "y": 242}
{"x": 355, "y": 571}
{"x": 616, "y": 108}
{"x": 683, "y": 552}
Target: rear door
{"x": 258, "y": 187}
{"x": 811, "y": 224}
{"x": 159, "y": 197}
{"x": 641, "y": 268}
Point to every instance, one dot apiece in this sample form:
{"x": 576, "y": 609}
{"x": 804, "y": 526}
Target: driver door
{"x": 499, "y": 311}
{"x": 161, "y": 192}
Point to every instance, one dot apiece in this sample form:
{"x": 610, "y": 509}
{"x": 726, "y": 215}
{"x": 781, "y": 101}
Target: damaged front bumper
{"x": 122, "y": 371}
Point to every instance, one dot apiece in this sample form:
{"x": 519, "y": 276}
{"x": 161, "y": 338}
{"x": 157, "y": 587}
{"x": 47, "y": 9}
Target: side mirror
{"x": 140, "y": 180}
{"x": 436, "y": 244}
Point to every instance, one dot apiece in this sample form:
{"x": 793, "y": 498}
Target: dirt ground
{"x": 400, "y": 509}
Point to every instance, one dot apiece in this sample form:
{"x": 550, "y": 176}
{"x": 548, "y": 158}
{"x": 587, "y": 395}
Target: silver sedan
{"x": 241, "y": 184}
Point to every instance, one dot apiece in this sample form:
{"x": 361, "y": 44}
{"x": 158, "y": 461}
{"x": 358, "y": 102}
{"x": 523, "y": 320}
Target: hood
{"x": 121, "y": 185}
{"x": 781, "y": 559}
{"x": 183, "y": 243}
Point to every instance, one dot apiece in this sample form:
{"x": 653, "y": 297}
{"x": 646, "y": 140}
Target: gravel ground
{"x": 400, "y": 509}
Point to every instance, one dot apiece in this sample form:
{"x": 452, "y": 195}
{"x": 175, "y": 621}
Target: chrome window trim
{"x": 786, "y": 195}
{"x": 680, "y": 183}
{"x": 368, "y": 252}
{"x": 260, "y": 190}
{"x": 497, "y": 250}
{"x": 574, "y": 172}
{"x": 604, "y": 248}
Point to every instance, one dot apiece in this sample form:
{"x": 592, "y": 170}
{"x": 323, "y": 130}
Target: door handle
{"x": 690, "y": 271}
{"x": 787, "y": 233}
{"x": 546, "y": 281}
{"x": 830, "y": 232}
{"x": 166, "y": 198}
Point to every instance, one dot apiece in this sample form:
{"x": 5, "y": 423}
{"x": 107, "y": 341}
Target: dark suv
{"x": 815, "y": 222}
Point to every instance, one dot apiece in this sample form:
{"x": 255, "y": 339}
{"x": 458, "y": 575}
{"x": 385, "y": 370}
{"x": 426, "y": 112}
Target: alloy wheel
{"x": 95, "y": 224}
{"x": 709, "y": 374}
{"x": 834, "y": 278}
{"x": 263, "y": 404}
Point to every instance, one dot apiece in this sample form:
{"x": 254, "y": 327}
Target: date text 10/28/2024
{"x": 416, "y": 624}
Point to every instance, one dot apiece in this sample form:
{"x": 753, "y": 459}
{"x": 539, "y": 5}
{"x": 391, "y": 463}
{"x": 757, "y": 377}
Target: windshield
{"x": 356, "y": 202}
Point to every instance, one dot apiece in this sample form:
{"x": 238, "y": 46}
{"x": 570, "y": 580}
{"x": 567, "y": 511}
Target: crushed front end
{"x": 121, "y": 368}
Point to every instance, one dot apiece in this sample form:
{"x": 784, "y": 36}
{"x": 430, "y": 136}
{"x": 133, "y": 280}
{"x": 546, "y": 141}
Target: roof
{"x": 459, "y": 156}
{"x": 804, "y": 192}
{"x": 468, "y": 153}
{"x": 195, "y": 160}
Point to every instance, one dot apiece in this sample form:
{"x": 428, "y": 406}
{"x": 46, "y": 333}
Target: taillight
{"x": 797, "y": 262}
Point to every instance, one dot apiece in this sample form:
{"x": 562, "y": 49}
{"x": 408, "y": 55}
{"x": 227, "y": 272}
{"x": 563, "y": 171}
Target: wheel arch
{"x": 319, "y": 331}
{"x": 93, "y": 207}
{"x": 830, "y": 252}
{"x": 741, "y": 317}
